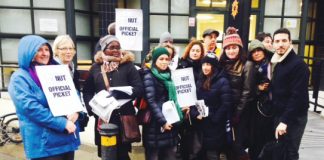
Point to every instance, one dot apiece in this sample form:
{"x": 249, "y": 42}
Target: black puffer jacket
{"x": 219, "y": 101}
{"x": 156, "y": 95}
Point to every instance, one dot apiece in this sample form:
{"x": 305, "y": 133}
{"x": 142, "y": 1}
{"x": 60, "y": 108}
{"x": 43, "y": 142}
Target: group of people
{"x": 253, "y": 98}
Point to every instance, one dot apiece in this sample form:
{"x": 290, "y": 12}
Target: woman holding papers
{"x": 64, "y": 51}
{"x": 242, "y": 80}
{"x": 160, "y": 137}
{"x": 113, "y": 68}
{"x": 44, "y": 136}
{"x": 210, "y": 117}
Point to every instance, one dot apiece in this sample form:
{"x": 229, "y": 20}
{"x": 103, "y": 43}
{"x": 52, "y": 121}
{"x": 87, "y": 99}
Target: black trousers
{"x": 295, "y": 132}
{"x": 161, "y": 153}
{"x": 63, "y": 156}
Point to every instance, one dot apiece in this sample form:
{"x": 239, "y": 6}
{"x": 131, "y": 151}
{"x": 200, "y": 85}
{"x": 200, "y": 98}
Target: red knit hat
{"x": 232, "y": 37}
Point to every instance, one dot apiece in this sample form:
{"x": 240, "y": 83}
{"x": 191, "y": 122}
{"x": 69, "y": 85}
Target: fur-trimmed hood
{"x": 127, "y": 57}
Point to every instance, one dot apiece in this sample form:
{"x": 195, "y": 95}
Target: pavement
{"x": 311, "y": 148}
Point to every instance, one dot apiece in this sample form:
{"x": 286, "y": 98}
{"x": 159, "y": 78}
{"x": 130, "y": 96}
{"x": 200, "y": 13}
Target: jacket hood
{"x": 27, "y": 49}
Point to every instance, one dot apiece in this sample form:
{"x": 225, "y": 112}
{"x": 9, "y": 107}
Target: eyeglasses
{"x": 65, "y": 49}
{"x": 113, "y": 48}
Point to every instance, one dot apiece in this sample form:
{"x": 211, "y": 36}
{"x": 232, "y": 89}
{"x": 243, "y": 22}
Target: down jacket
{"x": 156, "y": 95}
{"x": 43, "y": 134}
{"x": 219, "y": 101}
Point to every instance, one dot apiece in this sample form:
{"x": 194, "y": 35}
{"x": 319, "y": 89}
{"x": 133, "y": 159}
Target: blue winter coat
{"x": 43, "y": 134}
{"x": 219, "y": 101}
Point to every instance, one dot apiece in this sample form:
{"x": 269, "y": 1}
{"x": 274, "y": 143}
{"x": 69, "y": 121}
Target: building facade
{"x": 86, "y": 21}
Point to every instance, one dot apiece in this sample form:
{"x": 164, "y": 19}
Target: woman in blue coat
{"x": 214, "y": 88}
{"x": 44, "y": 136}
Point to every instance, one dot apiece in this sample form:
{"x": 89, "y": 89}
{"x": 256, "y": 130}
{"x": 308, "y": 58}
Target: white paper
{"x": 59, "y": 89}
{"x": 170, "y": 112}
{"x": 129, "y": 28}
{"x": 184, "y": 82}
{"x": 126, "y": 89}
{"x": 202, "y": 108}
{"x": 103, "y": 106}
{"x": 48, "y": 25}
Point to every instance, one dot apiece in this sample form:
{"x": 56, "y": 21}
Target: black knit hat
{"x": 211, "y": 59}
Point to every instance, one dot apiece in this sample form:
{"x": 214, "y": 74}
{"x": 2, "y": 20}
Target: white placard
{"x": 184, "y": 82}
{"x": 59, "y": 89}
{"x": 129, "y": 28}
{"x": 48, "y": 25}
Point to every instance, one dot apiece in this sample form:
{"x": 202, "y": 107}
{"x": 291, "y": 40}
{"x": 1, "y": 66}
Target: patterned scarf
{"x": 110, "y": 65}
{"x": 165, "y": 77}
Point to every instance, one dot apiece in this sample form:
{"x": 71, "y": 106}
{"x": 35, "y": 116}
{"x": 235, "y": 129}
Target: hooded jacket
{"x": 43, "y": 134}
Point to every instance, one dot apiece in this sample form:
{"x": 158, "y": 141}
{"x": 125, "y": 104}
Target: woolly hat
{"x": 157, "y": 52}
{"x": 211, "y": 59}
{"x": 209, "y": 32}
{"x": 104, "y": 41}
{"x": 166, "y": 36}
{"x": 232, "y": 37}
{"x": 112, "y": 28}
{"x": 254, "y": 44}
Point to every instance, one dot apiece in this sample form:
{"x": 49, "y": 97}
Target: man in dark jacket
{"x": 289, "y": 93}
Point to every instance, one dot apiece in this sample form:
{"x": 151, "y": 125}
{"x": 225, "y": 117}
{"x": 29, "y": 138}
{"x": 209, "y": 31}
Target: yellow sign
{"x": 108, "y": 141}
{"x": 235, "y": 8}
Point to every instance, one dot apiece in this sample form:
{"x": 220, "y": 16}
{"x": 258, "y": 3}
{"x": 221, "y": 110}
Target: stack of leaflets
{"x": 202, "y": 108}
{"x": 104, "y": 102}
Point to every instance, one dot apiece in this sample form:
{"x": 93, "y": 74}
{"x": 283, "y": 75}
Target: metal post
{"x": 108, "y": 132}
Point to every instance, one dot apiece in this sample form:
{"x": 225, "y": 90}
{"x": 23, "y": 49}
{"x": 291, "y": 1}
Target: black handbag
{"x": 274, "y": 150}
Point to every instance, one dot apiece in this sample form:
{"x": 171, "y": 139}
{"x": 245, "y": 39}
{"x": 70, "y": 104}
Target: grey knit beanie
{"x": 104, "y": 41}
{"x": 254, "y": 44}
{"x": 166, "y": 36}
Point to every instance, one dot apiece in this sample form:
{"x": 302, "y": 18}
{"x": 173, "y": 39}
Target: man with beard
{"x": 289, "y": 93}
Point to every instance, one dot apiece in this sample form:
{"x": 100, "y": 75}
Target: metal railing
{"x": 317, "y": 73}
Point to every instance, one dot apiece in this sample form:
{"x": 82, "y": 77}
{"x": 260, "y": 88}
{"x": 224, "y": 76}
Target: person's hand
{"x": 73, "y": 117}
{"x": 199, "y": 117}
{"x": 167, "y": 127}
{"x": 186, "y": 110}
{"x": 281, "y": 129}
{"x": 263, "y": 86}
{"x": 70, "y": 126}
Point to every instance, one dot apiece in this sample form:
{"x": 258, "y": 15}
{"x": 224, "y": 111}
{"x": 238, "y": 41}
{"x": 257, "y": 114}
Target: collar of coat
{"x": 127, "y": 57}
{"x": 276, "y": 58}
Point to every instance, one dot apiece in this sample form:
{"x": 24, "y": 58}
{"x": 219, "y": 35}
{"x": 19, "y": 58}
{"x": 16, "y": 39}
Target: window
{"x": 211, "y": 3}
{"x": 207, "y": 21}
{"x": 253, "y": 23}
{"x": 284, "y": 13}
{"x": 15, "y": 21}
{"x": 171, "y": 16}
